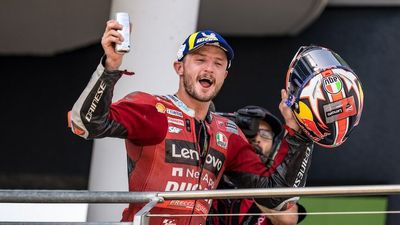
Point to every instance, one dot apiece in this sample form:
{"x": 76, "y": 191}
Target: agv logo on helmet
{"x": 325, "y": 95}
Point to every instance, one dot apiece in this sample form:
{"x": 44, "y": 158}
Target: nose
{"x": 257, "y": 140}
{"x": 209, "y": 67}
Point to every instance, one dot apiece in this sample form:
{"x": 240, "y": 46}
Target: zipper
{"x": 203, "y": 151}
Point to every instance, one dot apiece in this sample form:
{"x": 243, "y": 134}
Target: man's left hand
{"x": 287, "y": 113}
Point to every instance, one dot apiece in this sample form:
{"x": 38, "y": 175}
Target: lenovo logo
{"x": 184, "y": 152}
{"x": 181, "y": 152}
{"x": 214, "y": 161}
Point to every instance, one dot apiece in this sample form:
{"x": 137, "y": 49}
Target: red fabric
{"x": 243, "y": 159}
{"x": 162, "y": 146}
{"x": 136, "y": 112}
{"x": 289, "y": 130}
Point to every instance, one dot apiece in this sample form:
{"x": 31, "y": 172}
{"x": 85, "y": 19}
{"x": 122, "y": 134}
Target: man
{"x": 173, "y": 142}
{"x": 264, "y": 131}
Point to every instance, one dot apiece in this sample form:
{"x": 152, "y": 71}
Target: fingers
{"x": 284, "y": 99}
{"x": 284, "y": 107}
{"x": 284, "y": 94}
{"x": 112, "y": 25}
{"x": 111, "y": 35}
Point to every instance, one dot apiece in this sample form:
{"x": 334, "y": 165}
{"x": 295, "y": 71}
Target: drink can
{"x": 123, "y": 19}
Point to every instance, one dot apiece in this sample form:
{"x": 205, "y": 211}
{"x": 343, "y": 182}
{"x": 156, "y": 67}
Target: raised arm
{"x": 93, "y": 114}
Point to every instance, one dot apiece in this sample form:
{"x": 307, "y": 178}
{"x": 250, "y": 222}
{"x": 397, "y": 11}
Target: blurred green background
{"x": 344, "y": 204}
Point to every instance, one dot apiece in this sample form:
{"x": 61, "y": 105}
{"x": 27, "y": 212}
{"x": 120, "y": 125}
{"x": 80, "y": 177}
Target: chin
{"x": 206, "y": 96}
{"x": 205, "y": 99}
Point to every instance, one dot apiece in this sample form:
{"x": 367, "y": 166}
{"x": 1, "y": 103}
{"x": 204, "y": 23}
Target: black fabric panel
{"x": 37, "y": 148}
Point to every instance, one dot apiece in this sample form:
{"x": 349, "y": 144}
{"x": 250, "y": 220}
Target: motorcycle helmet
{"x": 325, "y": 95}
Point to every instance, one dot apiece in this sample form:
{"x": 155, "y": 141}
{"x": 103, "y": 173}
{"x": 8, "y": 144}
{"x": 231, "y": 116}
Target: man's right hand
{"x": 111, "y": 37}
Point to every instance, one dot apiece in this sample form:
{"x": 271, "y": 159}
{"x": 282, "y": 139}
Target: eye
{"x": 218, "y": 64}
{"x": 200, "y": 60}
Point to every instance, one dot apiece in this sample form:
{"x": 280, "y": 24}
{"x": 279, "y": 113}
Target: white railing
{"x": 152, "y": 198}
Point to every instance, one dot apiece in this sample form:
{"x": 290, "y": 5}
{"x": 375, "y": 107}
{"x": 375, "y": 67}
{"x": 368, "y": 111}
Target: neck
{"x": 200, "y": 108}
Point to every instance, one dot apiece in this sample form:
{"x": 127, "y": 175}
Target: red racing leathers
{"x": 164, "y": 151}
{"x": 244, "y": 211}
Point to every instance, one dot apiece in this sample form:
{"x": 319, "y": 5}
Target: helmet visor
{"x": 309, "y": 61}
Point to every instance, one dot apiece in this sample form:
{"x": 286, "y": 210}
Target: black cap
{"x": 259, "y": 113}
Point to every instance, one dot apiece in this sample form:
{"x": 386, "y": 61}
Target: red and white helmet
{"x": 325, "y": 95}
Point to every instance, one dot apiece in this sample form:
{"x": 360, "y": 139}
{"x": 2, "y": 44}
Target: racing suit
{"x": 236, "y": 208}
{"x": 164, "y": 150}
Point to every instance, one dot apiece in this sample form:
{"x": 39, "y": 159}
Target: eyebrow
{"x": 204, "y": 55}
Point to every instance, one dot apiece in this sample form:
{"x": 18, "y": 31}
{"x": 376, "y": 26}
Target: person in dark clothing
{"x": 264, "y": 131}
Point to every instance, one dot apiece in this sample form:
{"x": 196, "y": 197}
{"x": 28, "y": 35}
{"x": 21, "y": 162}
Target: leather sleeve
{"x": 246, "y": 170}
{"x": 94, "y": 116}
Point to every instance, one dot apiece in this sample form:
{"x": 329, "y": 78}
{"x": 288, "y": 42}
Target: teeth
{"x": 207, "y": 80}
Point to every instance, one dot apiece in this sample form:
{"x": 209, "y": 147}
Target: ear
{"x": 178, "y": 66}
{"x": 226, "y": 74}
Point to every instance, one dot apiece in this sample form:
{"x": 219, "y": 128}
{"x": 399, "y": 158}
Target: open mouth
{"x": 205, "y": 82}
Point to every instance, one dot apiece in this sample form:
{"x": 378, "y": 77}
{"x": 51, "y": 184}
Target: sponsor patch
{"x": 160, "y": 107}
{"x": 174, "y": 130}
{"x": 95, "y": 101}
{"x": 169, "y": 222}
{"x": 163, "y": 99}
{"x": 231, "y": 127}
{"x": 332, "y": 84}
{"x": 177, "y": 102}
{"x": 183, "y": 186}
{"x": 176, "y": 121}
{"x": 220, "y": 124}
{"x": 184, "y": 152}
{"x": 181, "y": 152}
{"x": 177, "y": 172}
{"x": 340, "y": 109}
{"x": 222, "y": 141}
{"x": 207, "y": 37}
{"x": 177, "y": 204}
{"x": 174, "y": 113}
{"x": 202, "y": 207}
{"x": 214, "y": 161}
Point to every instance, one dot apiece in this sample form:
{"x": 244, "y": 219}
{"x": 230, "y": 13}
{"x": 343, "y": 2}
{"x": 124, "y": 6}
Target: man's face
{"x": 261, "y": 140}
{"x": 204, "y": 72}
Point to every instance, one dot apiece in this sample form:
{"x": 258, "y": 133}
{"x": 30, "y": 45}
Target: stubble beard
{"x": 190, "y": 90}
